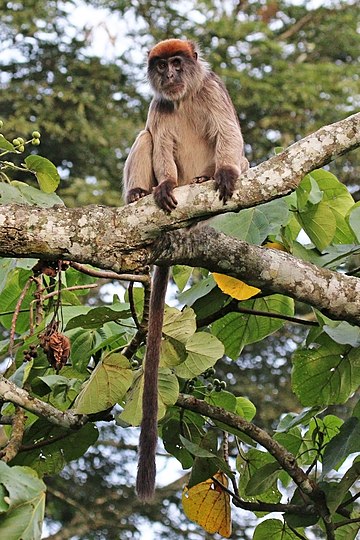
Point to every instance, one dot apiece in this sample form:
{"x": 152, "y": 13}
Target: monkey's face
{"x": 171, "y": 77}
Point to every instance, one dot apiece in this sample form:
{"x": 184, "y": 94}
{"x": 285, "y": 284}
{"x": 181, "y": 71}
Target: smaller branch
{"x": 18, "y": 427}
{"x": 346, "y": 522}
{"x": 266, "y": 507}
{"x": 350, "y": 500}
{"x": 16, "y": 314}
{"x": 141, "y": 278}
{"x": 233, "y": 307}
{"x": 40, "y": 444}
{"x": 66, "y": 419}
{"x": 132, "y": 304}
{"x": 140, "y": 335}
{"x": 73, "y": 288}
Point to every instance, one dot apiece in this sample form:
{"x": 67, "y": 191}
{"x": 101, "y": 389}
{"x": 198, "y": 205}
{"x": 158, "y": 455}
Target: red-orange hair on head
{"x": 173, "y": 47}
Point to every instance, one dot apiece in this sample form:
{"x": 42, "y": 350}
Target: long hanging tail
{"x": 145, "y": 480}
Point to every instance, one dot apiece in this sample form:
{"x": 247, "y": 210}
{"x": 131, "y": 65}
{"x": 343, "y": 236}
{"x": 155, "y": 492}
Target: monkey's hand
{"x": 135, "y": 194}
{"x": 164, "y": 196}
{"x": 225, "y": 178}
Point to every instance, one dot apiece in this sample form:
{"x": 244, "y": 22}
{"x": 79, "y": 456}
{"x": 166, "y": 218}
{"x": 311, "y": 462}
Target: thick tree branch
{"x": 271, "y": 270}
{"x": 66, "y": 419}
{"x": 120, "y": 239}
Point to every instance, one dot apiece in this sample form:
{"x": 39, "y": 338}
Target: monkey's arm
{"x": 138, "y": 171}
{"x": 230, "y": 161}
{"x": 163, "y": 159}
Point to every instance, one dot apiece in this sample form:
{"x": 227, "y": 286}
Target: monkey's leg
{"x": 138, "y": 171}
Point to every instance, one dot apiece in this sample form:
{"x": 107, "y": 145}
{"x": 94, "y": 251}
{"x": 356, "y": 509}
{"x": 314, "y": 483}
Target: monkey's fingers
{"x": 135, "y": 194}
{"x": 164, "y": 196}
{"x": 225, "y": 179}
{"x": 201, "y": 179}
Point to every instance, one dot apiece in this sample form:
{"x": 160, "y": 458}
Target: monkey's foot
{"x": 135, "y": 194}
{"x": 164, "y": 195}
{"x": 225, "y": 179}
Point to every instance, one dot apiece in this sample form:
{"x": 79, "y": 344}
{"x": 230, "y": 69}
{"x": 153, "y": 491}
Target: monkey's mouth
{"x": 174, "y": 87}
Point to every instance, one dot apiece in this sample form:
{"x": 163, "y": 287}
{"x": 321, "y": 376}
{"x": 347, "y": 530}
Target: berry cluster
{"x": 19, "y": 142}
{"x": 30, "y": 353}
{"x": 212, "y": 384}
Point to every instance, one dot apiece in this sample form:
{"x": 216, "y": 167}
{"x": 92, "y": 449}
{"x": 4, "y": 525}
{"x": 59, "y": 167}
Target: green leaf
{"x": 319, "y": 223}
{"x": 178, "y": 422}
{"x": 300, "y": 520}
{"x": 97, "y": 317}
{"x": 274, "y": 529}
{"x": 5, "y": 144}
{"x": 263, "y": 479}
{"x": 342, "y": 445}
{"x": 179, "y": 325}
{"x": 9, "y": 297}
{"x": 291, "y": 420}
{"x": 247, "y": 464}
{"x": 236, "y": 330}
{"x": 354, "y": 220}
{"x": 82, "y": 342}
{"x": 11, "y": 195}
{"x": 26, "y": 499}
{"x": 181, "y": 275}
{"x": 344, "y": 333}
{"x": 35, "y": 196}
{"x": 245, "y": 408}
{"x": 168, "y": 392}
{"x": 223, "y": 399}
{"x": 254, "y": 225}
{"x": 107, "y": 385}
{"x": 45, "y": 172}
{"x": 326, "y": 374}
{"x": 197, "y": 291}
{"x": 51, "y": 458}
{"x": 202, "y": 453}
{"x": 325, "y": 222}
{"x": 203, "y": 350}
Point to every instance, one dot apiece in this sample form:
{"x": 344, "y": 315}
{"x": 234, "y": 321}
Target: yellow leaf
{"x": 209, "y": 505}
{"x": 275, "y": 245}
{"x": 234, "y": 287}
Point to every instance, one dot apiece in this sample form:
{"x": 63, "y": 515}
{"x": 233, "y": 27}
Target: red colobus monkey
{"x": 192, "y": 134}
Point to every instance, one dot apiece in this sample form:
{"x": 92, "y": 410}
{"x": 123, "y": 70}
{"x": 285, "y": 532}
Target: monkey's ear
{"x": 195, "y": 55}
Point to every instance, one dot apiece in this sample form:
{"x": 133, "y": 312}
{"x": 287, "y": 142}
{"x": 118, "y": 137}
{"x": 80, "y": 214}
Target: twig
{"x": 233, "y": 307}
{"x": 141, "y": 278}
{"x": 16, "y": 314}
{"x": 346, "y": 522}
{"x": 266, "y": 507}
{"x": 18, "y": 428}
{"x": 140, "y": 335}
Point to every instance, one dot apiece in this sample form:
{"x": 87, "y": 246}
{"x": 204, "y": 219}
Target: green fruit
{"x": 223, "y": 385}
{"x": 35, "y": 142}
{"x": 35, "y": 134}
{"x": 16, "y": 142}
{"x": 20, "y": 148}
{"x": 1, "y": 124}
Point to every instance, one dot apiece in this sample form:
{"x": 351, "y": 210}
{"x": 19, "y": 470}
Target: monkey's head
{"x": 174, "y": 70}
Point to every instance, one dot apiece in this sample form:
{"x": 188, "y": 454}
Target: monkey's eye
{"x": 176, "y": 63}
{"x": 161, "y": 65}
